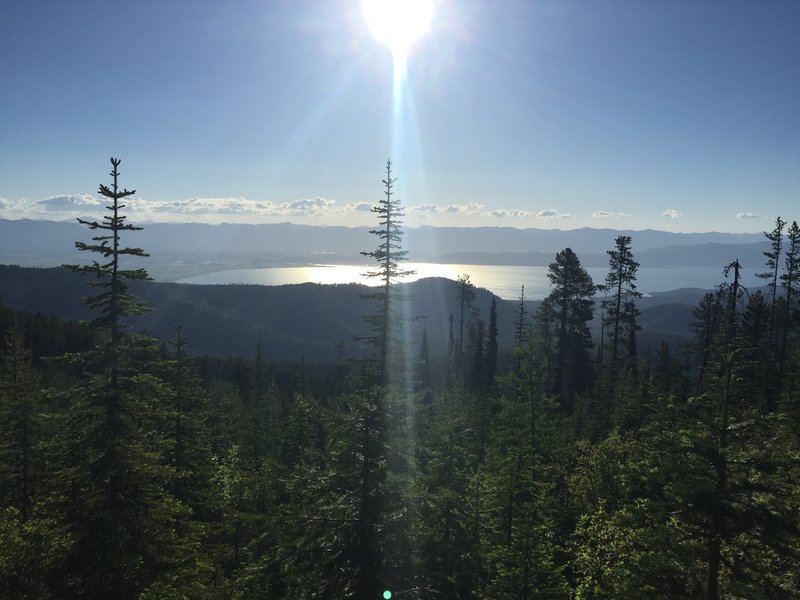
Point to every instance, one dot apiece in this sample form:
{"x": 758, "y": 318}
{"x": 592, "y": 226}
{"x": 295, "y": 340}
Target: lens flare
{"x": 397, "y": 23}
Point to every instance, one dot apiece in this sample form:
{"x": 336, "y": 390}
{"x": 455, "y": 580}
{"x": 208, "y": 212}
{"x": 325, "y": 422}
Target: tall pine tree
{"x": 389, "y": 256}
{"x": 572, "y": 301}
{"x": 126, "y": 527}
{"x": 620, "y": 310}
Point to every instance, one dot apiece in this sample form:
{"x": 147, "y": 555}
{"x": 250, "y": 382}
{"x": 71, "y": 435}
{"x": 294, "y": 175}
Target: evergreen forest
{"x": 573, "y": 468}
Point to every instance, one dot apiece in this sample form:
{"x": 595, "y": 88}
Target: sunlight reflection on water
{"x": 505, "y": 281}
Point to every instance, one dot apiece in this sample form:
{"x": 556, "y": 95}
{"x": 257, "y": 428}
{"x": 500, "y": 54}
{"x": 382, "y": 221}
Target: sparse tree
{"x": 790, "y": 279}
{"x": 773, "y": 256}
{"x": 389, "y": 255}
{"x": 520, "y": 330}
{"x": 620, "y": 310}
{"x": 466, "y": 295}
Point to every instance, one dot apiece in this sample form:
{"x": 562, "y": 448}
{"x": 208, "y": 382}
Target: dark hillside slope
{"x": 317, "y": 322}
{"x": 312, "y": 321}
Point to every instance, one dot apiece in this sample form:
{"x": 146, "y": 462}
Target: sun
{"x": 397, "y": 23}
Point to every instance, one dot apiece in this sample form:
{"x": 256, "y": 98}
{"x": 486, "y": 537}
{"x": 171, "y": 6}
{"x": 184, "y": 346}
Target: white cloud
{"x": 473, "y": 208}
{"x": 607, "y": 214}
{"x": 68, "y": 203}
{"x": 357, "y": 207}
{"x": 746, "y": 215}
{"x": 240, "y": 209}
{"x": 306, "y": 206}
{"x": 510, "y": 212}
{"x": 205, "y": 206}
{"x": 239, "y": 206}
{"x": 552, "y": 213}
{"x": 421, "y": 209}
{"x": 671, "y": 213}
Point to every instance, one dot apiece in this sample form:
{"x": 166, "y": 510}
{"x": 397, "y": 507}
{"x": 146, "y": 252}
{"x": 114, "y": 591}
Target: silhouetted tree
{"x": 520, "y": 329}
{"x": 490, "y": 366}
{"x": 706, "y": 325}
{"x": 620, "y": 310}
{"x": 389, "y": 255}
{"x": 21, "y": 427}
{"x": 124, "y": 524}
{"x": 572, "y": 302}
{"x": 773, "y": 255}
{"x": 466, "y": 295}
{"x": 789, "y": 280}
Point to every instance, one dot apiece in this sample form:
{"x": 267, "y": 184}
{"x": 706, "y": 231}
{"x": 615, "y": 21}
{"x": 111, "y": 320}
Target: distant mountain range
{"x": 182, "y": 250}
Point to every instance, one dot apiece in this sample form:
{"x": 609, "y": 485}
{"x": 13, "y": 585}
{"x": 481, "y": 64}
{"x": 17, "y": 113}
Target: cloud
{"x": 358, "y": 207}
{"x": 305, "y": 207}
{"x": 502, "y": 213}
{"x": 206, "y": 206}
{"x": 67, "y": 203}
{"x": 473, "y": 208}
{"x": 240, "y": 209}
{"x": 671, "y": 213}
{"x": 607, "y": 214}
{"x": 425, "y": 209}
{"x": 746, "y": 215}
{"x": 4, "y": 203}
{"x": 552, "y": 213}
{"x": 239, "y": 206}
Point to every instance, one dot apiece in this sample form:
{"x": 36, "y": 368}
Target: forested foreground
{"x": 584, "y": 470}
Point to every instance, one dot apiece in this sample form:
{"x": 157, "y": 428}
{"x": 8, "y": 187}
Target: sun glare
{"x": 397, "y": 23}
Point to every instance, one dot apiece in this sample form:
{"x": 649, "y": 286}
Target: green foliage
{"x": 129, "y": 533}
{"x": 113, "y": 302}
{"x": 620, "y": 310}
{"x": 571, "y": 307}
{"x": 31, "y": 550}
{"x": 21, "y": 428}
{"x": 131, "y": 471}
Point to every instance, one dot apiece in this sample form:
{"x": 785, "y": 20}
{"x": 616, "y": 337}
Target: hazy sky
{"x": 673, "y": 114}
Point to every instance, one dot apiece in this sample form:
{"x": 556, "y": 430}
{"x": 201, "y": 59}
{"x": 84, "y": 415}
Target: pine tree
{"x": 520, "y": 330}
{"x": 519, "y": 536}
{"x": 126, "y": 527}
{"x": 706, "y": 325}
{"x": 490, "y": 360}
{"x": 620, "y": 310}
{"x": 389, "y": 255}
{"x": 775, "y": 238}
{"x": 20, "y": 428}
{"x": 190, "y": 449}
{"x": 790, "y": 280}
{"x": 466, "y": 295}
{"x": 115, "y": 302}
{"x": 572, "y": 301}
{"x": 368, "y": 413}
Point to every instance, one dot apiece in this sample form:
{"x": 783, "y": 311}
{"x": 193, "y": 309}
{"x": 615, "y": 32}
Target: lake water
{"x": 505, "y": 281}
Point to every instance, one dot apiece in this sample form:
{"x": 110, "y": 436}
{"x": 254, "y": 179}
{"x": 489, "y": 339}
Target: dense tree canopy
{"x": 129, "y": 470}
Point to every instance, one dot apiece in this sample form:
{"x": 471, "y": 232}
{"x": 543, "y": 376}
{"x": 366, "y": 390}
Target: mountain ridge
{"x": 49, "y": 243}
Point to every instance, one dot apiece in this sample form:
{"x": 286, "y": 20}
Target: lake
{"x": 505, "y": 281}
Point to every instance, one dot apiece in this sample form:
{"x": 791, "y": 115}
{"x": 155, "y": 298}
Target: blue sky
{"x": 676, "y": 115}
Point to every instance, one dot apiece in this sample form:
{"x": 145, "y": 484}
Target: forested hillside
{"x": 317, "y": 322}
{"x": 579, "y": 467}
